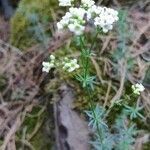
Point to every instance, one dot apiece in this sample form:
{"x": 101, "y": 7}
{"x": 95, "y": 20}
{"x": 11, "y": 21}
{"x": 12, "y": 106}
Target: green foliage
{"x": 122, "y": 137}
{"x": 134, "y": 112}
{"x": 86, "y": 80}
{"x": 96, "y": 117}
{"x": 123, "y": 38}
{"x": 29, "y": 21}
{"x": 102, "y": 138}
{"x": 107, "y": 143}
{"x": 125, "y": 135}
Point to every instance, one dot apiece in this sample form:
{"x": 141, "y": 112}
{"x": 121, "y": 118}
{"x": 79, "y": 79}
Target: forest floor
{"x": 37, "y": 111}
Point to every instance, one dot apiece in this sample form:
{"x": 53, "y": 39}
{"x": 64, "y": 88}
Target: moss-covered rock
{"x": 28, "y": 25}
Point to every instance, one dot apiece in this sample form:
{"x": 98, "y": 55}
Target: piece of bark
{"x": 71, "y": 131}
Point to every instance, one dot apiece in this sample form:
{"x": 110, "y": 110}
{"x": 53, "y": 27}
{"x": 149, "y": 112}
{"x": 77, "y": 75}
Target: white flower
{"x": 87, "y": 3}
{"x": 52, "y": 57}
{"x": 76, "y": 28}
{"x": 59, "y": 25}
{"x": 105, "y": 18}
{"x": 65, "y": 2}
{"x": 70, "y": 65}
{"x": 137, "y": 88}
{"x": 77, "y": 12}
{"x": 73, "y": 20}
{"x": 47, "y": 66}
{"x": 92, "y": 12}
{"x": 76, "y": 19}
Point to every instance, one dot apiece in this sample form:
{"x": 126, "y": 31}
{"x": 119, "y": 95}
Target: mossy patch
{"x": 40, "y": 139}
{"x": 28, "y": 25}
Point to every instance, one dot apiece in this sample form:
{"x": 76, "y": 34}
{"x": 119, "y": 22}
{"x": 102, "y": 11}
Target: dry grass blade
{"x": 97, "y": 68}
{"x": 140, "y": 141}
{"x": 122, "y": 80}
{"x": 12, "y": 131}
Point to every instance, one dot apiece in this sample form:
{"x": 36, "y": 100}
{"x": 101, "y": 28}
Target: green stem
{"x": 85, "y": 59}
{"x": 85, "y": 64}
{"x": 86, "y": 72}
{"x": 92, "y": 109}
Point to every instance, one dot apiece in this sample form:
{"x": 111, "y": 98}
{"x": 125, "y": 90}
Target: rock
{"x": 71, "y": 130}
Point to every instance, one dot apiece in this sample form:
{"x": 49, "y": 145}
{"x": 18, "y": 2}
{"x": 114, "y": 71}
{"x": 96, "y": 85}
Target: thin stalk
{"x": 92, "y": 109}
{"x": 86, "y": 72}
{"x": 83, "y": 58}
{"x": 85, "y": 63}
{"x": 112, "y": 105}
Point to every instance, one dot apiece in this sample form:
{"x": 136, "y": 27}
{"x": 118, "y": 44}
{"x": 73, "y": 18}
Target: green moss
{"x": 29, "y": 21}
{"x": 146, "y": 146}
{"x": 1, "y": 142}
{"x": 30, "y": 122}
{"x": 3, "y": 82}
{"x": 41, "y": 139}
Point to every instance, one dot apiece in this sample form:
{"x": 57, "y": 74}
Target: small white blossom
{"x": 105, "y": 18}
{"x": 76, "y": 19}
{"x": 47, "y": 66}
{"x": 67, "y": 64}
{"x": 73, "y": 20}
{"x": 52, "y": 57}
{"x": 137, "y": 88}
{"x": 65, "y": 2}
{"x": 76, "y": 28}
{"x": 70, "y": 65}
{"x": 92, "y": 12}
{"x": 87, "y": 3}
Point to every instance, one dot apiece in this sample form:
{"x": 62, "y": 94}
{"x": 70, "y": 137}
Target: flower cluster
{"x": 137, "y": 88}
{"x": 76, "y": 19}
{"x": 105, "y": 17}
{"x": 65, "y": 2}
{"x": 87, "y": 3}
{"x": 70, "y": 65}
{"x": 48, "y": 65}
{"x": 67, "y": 64}
{"x": 73, "y": 20}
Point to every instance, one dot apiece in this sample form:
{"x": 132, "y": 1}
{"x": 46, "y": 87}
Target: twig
{"x": 27, "y": 143}
{"x": 107, "y": 94}
{"x": 119, "y": 92}
{"x": 36, "y": 129}
{"x": 11, "y": 132}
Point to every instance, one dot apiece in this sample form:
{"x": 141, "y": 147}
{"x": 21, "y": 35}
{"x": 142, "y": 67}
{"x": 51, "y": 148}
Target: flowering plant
{"x": 137, "y": 88}
{"x": 76, "y": 20}
{"x": 66, "y": 63}
{"x": 78, "y": 17}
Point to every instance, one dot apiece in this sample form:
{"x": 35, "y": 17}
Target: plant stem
{"x": 92, "y": 109}
{"x": 85, "y": 64}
